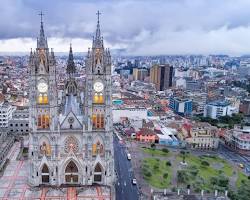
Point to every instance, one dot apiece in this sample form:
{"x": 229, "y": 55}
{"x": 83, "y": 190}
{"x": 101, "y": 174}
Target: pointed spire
{"x": 98, "y": 31}
{"x": 97, "y": 39}
{"x": 71, "y": 69}
{"x": 42, "y": 41}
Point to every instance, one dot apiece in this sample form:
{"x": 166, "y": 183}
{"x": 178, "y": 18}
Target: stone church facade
{"x": 70, "y": 143}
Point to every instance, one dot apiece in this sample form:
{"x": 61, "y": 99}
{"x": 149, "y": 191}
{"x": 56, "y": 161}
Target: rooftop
{"x": 219, "y": 103}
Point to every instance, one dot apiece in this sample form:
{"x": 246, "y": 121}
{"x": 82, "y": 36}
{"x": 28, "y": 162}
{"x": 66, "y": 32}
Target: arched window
{"x": 98, "y": 98}
{"x": 45, "y": 149}
{"x": 43, "y": 98}
{"x": 97, "y": 148}
{"x": 43, "y": 121}
{"x": 98, "y": 173}
{"x": 98, "y": 121}
{"x": 45, "y": 174}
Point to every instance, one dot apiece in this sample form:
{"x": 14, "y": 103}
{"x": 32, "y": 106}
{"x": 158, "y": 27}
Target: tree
{"x": 182, "y": 176}
{"x": 183, "y": 153}
{"x": 165, "y": 150}
{"x": 168, "y": 163}
{"x": 205, "y": 163}
{"x": 243, "y": 192}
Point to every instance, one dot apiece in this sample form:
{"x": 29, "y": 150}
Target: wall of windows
{"x": 43, "y": 121}
{"x": 98, "y": 121}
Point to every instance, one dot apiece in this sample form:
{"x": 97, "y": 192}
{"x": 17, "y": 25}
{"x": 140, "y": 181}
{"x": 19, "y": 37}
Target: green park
{"x": 162, "y": 169}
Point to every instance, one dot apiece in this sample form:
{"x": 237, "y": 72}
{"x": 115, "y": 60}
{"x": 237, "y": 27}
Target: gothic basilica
{"x": 71, "y": 141}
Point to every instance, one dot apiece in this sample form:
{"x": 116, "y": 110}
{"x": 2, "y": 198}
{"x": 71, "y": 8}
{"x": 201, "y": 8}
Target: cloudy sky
{"x": 142, "y": 27}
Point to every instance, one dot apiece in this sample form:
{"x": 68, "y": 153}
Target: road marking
{"x": 125, "y": 183}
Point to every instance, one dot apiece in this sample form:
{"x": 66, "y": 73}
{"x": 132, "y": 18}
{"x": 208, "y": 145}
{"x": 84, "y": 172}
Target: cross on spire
{"x": 41, "y": 15}
{"x": 98, "y": 16}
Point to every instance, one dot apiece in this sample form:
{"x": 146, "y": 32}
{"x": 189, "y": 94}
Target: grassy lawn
{"x": 241, "y": 177}
{"x": 199, "y": 175}
{"x": 156, "y": 172}
{"x": 155, "y": 152}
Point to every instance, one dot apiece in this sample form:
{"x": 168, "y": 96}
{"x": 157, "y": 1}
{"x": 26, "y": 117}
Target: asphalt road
{"x": 233, "y": 156}
{"x": 125, "y": 190}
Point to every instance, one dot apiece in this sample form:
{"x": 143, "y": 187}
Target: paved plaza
{"x": 14, "y": 185}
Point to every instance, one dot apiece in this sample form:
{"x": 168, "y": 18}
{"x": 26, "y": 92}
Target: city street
{"x": 125, "y": 190}
{"x": 232, "y": 156}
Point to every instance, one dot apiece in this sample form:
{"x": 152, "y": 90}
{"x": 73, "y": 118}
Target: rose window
{"x": 71, "y": 144}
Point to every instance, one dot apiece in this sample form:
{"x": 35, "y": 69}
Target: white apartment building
{"x": 217, "y": 109}
{"x": 6, "y": 111}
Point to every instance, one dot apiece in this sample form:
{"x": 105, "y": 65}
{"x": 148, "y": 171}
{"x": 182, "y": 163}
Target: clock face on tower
{"x": 98, "y": 86}
{"x": 42, "y": 87}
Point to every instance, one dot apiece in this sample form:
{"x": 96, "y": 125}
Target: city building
{"x": 199, "y": 100}
{"x": 75, "y": 146}
{"x": 6, "y": 142}
{"x": 19, "y": 124}
{"x": 200, "y": 135}
{"x": 140, "y": 74}
{"x": 244, "y": 69}
{"x": 238, "y": 138}
{"x": 161, "y": 76}
{"x": 129, "y": 113}
{"x": 167, "y": 136}
{"x": 245, "y": 106}
{"x": 147, "y": 135}
{"x": 181, "y": 106}
{"x": 6, "y": 111}
{"x": 193, "y": 85}
{"x": 217, "y": 109}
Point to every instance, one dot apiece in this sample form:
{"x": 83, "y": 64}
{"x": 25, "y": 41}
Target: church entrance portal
{"x": 71, "y": 173}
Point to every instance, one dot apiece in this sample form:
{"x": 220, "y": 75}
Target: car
{"x": 134, "y": 182}
{"x": 129, "y": 156}
{"x": 241, "y": 165}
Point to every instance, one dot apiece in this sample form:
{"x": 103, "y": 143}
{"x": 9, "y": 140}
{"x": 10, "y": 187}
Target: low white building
{"x": 217, "y": 109}
{"x": 6, "y": 111}
{"x": 130, "y": 113}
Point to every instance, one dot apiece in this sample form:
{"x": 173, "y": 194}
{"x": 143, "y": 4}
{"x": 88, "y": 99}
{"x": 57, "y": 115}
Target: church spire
{"x": 97, "y": 42}
{"x": 98, "y": 31}
{"x": 42, "y": 40}
{"x": 71, "y": 69}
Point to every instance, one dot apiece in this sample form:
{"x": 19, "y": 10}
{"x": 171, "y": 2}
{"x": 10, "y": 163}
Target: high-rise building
{"x": 71, "y": 143}
{"x": 139, "y": 74}
{"x": 161, "y": 76}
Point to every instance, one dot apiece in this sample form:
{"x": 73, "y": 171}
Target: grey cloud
{"x": 144, "y": 27}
